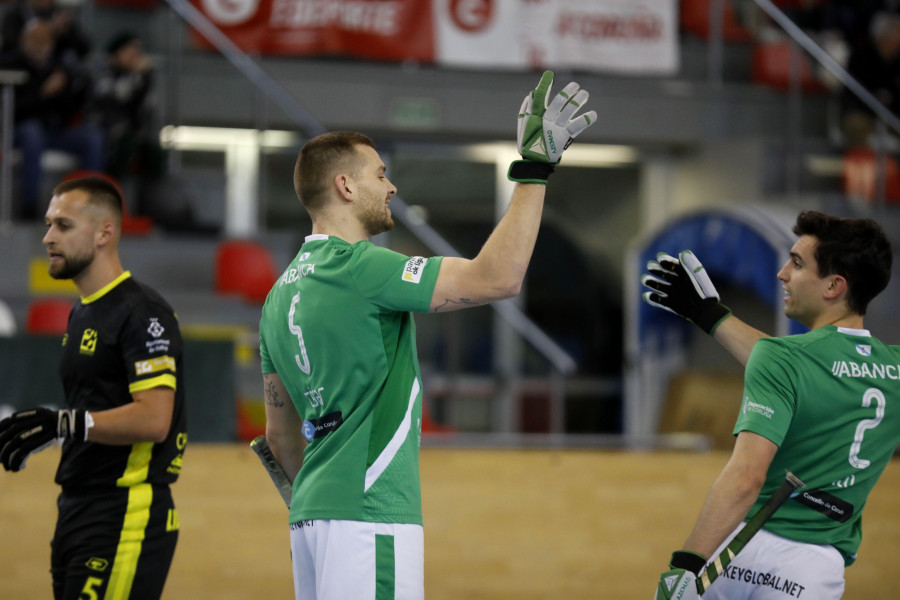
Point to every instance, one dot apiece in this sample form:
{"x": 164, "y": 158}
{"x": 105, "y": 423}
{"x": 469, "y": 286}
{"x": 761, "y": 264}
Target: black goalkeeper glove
{"x": 681, "y": 286}
{"x": 28, "y": 431}
{"x": 545, "y": 130}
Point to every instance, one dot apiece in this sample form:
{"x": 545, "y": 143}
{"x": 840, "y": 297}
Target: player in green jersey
{"x": 820, "y": 404}
{"x": 337, "y": 341}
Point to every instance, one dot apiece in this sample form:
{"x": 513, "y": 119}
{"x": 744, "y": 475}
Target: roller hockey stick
{"x": 279, "y": 477}
{"x": 717, "y": 566}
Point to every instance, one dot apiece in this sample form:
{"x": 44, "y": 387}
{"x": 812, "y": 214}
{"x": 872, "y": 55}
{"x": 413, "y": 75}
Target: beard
{"x": 377, "y": 218}
{"x": 71, "y": 267}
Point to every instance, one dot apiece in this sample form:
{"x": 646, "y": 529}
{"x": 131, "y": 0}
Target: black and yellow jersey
{"x": 120, "y": 340}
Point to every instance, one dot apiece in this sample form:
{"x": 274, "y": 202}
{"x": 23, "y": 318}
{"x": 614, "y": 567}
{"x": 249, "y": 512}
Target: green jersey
{"x": 829, "y": 400}
{"x": 338, "y": 330}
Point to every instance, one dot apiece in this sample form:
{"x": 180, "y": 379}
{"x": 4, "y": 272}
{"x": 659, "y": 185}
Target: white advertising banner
{"x": 621, "y": 36}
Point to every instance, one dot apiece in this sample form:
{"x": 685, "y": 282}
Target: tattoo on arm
{"x": 448, "y": 303}
{"x": 272, "y": 398}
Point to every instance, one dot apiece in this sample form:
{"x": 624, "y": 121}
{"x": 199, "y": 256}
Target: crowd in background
{"x": 97, "y": 107}
{"x": 93, "y": 99}
{"x": 863, "y": 36}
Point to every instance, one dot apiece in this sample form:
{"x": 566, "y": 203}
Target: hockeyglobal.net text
{"x": 790, "y": 588}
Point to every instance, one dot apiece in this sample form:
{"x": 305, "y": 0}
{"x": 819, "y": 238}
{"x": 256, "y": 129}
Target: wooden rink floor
{"x": 499, "y": 524}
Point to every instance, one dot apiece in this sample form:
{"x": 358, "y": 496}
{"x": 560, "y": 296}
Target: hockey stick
{"x": 717, "y": 566}
{"x": 275, "y": 471}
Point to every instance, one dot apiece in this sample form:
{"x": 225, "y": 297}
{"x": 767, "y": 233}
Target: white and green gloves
{"x": 546, "y": 130}
{"x": 681, "y": 286}
{"x": 680, "y": 581}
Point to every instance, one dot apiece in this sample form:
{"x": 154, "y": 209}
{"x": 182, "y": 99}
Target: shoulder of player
{"x": 799, "y": 340}
{"x": 143, "y": 302}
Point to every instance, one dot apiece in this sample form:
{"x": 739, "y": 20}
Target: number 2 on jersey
{"x": 302, "y": 359}
{"x": 865, "y": 424}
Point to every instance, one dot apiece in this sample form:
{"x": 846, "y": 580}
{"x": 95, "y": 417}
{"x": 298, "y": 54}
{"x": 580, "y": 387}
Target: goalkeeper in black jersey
{"x": 123, "y": 428}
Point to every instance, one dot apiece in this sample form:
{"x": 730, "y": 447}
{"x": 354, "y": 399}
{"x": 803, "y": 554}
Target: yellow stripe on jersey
{"x": 102, "y": 291}
{"x": 154, "y": 365}
{"x": 138, "y": 465}
{"x": 146, "y": 384}
{"x": 134, "y": 527}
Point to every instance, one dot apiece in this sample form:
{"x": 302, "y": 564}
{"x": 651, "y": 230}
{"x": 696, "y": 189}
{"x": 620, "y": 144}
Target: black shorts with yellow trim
{"x": 114, "y": 545}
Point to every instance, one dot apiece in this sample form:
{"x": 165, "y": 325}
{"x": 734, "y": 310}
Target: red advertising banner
{"x": 625, "y": 36}
{"x": 379, "y": 29}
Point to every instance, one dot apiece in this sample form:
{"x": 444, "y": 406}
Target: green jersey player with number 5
{"x": 823, "y": 405}
{"x": 337, "y": 341}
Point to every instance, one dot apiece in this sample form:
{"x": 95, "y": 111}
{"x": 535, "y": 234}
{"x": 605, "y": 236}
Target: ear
{"x": 837, "y": 285}
{"x": 105, "y": 233}
{"x": 345, "y": 186}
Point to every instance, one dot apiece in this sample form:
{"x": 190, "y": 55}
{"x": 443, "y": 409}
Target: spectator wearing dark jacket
{"x": 876, "y": 65}
{"x": 49, "y": 110}
{"x": 71, "y": 42}
{"x": 122, "y": 103}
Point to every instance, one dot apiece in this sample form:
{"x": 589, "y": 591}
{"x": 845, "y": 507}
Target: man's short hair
{"x": 100, "y": 192}
{"x": 856, "y": 249}
{"x": 323, "y": 157}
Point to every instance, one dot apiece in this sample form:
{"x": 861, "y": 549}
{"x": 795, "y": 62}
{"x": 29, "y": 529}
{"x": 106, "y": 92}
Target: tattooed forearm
{"x": 450, "y": 304}
{"x": 272, "y": 398}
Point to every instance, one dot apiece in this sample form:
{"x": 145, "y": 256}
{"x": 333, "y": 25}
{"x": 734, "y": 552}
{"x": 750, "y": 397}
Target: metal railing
{"x": 886, "y": 119}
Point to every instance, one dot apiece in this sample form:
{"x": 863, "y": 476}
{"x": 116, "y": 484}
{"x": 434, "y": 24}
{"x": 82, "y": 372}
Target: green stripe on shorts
{"x": 384, "y": 567}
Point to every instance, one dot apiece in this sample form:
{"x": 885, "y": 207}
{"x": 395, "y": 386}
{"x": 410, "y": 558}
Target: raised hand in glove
{"x": 546, "y": 130}
{"x": 28, "y": 431}
{"x": 681, "y": 286}
{"x": 680, "y": 581}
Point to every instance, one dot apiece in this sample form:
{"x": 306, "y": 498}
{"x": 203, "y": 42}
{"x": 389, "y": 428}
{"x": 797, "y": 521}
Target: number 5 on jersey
{"x": 302, "y": 359}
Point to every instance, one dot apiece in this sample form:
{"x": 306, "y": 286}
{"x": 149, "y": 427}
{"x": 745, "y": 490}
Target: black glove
{"x": 28, "y": 431}
{"x": 683, "y": 287}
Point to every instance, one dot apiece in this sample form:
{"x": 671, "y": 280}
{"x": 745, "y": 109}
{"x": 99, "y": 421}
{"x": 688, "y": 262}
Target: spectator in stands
{"x": 49, "y": 110}
{"x": 71, "y": 41}
{"x": 876, "y": 65}
{"x": 123, "y": 106}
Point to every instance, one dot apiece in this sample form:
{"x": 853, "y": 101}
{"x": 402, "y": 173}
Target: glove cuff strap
{"x": 712, "y": 314}
{"x": 690, "y": 561}
{"x": 73, "y": 424}
{"x": 529, "y": 171}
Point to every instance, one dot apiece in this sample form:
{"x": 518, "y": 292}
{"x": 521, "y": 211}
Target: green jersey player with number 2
{"x": 822, "y": 405}
{"x": 337, "y": 341}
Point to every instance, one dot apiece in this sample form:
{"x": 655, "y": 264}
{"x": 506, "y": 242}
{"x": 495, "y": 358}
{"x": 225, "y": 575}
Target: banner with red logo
{"x": 379, "y": 29}
{"x": 627, "y": 36}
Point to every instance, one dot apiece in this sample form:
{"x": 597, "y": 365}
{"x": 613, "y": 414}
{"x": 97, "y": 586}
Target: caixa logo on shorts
{"x": 316, "y": 428}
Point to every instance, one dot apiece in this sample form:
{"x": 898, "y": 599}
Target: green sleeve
{"x": 769, "y": 396}
{"x": 394, "y": 281}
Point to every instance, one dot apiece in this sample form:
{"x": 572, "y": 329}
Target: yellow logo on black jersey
{"x": 97, "y": 564}
{"x": 153, "y": 365}
{"x": 88, "y": 342}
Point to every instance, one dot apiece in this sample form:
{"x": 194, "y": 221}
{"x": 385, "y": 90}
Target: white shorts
{"x": 338, "y": 560}
{"x": 774, "y": 568}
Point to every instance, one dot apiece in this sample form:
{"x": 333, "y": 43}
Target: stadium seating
{"x": 245, "y": 268}
{"x": 48, "y": 316}
{"x": 860, "y": 175}
{"x": 772, "y": 67}
{"x": 695, "y": 18}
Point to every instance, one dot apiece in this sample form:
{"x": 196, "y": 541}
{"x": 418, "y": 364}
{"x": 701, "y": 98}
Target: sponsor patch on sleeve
{"x": 412, "y": 271}
{"x": 154, "y": 365}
